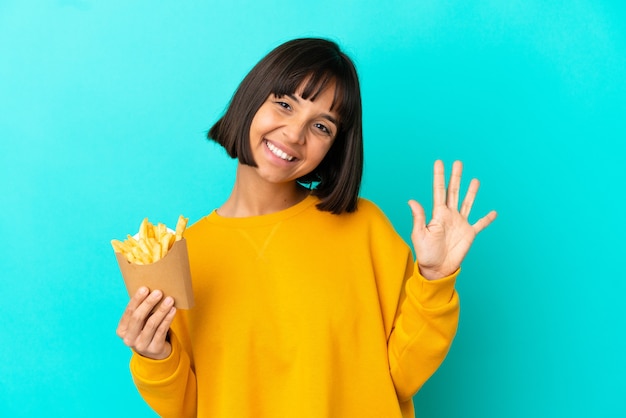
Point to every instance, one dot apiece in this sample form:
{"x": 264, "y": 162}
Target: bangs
{"x": 311, "y": 84}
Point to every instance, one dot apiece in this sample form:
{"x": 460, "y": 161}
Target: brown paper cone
{"x": 171, "y": 275}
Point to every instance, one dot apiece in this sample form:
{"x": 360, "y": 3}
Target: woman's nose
{"x": 294, "y": 131}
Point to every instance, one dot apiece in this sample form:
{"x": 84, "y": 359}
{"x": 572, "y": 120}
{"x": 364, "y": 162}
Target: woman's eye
{"x": 323, "y": 128}
{"x": 284, "y": 105}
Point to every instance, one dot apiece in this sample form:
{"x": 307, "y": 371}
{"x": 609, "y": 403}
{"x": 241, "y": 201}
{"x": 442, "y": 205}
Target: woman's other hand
{"x": 442, "y": 244}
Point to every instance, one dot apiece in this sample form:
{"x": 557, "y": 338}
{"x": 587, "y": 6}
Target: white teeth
{"x": 278, "y": 152}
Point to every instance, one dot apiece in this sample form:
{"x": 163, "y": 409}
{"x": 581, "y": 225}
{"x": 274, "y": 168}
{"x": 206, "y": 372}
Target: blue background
{"x": 103, "y": 111}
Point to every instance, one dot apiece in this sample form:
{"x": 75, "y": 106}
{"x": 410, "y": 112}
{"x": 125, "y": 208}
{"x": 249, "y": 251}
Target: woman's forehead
{"x": 311, "y": 86}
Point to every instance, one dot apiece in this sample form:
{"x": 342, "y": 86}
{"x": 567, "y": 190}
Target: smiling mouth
{"x": 278, "y": 152}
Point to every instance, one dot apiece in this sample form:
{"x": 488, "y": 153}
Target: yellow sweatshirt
{"x": 301, "y": 313}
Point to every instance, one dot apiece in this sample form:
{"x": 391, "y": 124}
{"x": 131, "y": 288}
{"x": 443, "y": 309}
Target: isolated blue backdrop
{"x": 103, "y": 112}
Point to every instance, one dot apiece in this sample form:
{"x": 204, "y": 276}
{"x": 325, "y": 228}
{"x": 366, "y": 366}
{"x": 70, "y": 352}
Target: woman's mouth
{"x": 278, "y": 152}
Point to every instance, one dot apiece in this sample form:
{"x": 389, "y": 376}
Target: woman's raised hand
{"x": 442, "y": 244}
{"x": 144, "y": 328}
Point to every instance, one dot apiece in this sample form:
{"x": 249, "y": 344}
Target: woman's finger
{"x": 470, "y": 196}
{"x": 419, "y": 216}
{"x": 155, "y": 319}
{"x": 161, "y": 333}
{"x": 485, "y": 221}
{"x": 152, "y": 336}
{"x": 454, "y": 185}
{"x": 140, "y": 315}
{"x": 136, "y": 300}
{"x": 439, "y": 184}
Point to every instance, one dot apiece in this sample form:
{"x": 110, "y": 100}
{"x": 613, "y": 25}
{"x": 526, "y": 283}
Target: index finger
{"x": 439, "y": 184}
{"x": 136, "y": 300}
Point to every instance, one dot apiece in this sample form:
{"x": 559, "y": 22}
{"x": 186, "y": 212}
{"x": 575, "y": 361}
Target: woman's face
{"x": 290, "y": 136}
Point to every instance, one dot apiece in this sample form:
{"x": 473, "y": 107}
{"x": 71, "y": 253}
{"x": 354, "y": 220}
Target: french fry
{"x": 143, "y": 228}
{"x": 155, "y": 249}
{"x": 150, "y": 230}
{"x": 151, "y": 243}
{"x": 159, "y": 231}
{"x": 144, "y": 247}
{"x": 180, "y": 227}
{"x": 167, "y": 241}
{"x": 139, "y": 256}
{"x": 118, "y": 246}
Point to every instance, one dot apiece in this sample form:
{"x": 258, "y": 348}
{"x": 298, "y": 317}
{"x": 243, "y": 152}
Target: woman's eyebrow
{"x": 330, "y": 118}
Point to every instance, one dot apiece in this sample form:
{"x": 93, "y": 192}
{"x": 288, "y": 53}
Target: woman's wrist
{"x": 430, "y": 275}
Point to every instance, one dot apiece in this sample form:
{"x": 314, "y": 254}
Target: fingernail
{"x": 156, "y": 294}
{"x": 143, "y": 290}
{"x": 168, "y": 301}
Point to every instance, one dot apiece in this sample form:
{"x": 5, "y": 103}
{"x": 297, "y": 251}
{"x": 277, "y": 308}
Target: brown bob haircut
{"x": 310, "y": 64}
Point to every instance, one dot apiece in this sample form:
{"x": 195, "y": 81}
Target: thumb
{"x": 419, "y": 216}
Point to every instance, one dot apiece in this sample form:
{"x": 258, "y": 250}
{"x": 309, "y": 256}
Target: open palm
{"x": 442, "y": 244}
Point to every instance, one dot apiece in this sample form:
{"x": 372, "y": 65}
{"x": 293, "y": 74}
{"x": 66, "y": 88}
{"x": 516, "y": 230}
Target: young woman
{"x": 308, "y": 303}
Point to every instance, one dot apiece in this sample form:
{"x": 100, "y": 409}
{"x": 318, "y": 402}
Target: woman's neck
{"x": 252, "y": 196}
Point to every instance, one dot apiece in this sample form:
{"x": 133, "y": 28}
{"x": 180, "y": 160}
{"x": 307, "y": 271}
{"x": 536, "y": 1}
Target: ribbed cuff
{"x": 432, "y": 294}
{"x": 146, "y": 368}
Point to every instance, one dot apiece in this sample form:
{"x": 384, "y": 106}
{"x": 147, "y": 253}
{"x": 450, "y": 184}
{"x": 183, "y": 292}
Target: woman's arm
{"x": 428, "y": 310}
{"x": 160, "y": 366}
